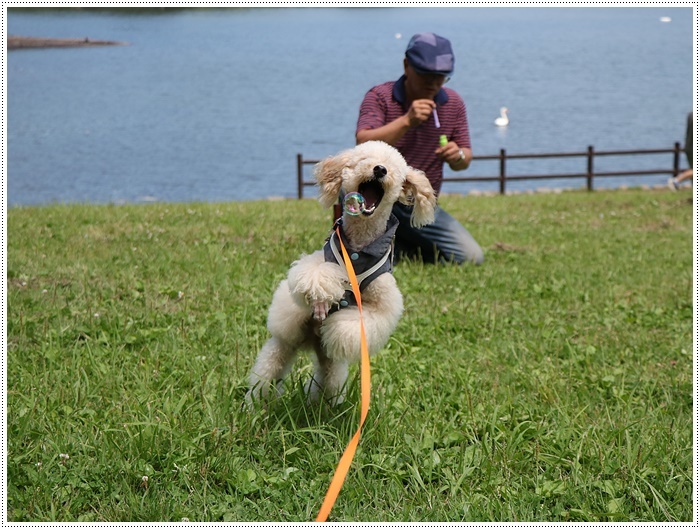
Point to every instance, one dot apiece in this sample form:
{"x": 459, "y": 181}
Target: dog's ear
{"x": 329, "y": 178}
{"x": 418, "y": 192}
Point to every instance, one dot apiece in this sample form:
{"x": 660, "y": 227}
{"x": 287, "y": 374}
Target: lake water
{"x": 214, "y": 104}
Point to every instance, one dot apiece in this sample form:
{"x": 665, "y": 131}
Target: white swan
{"x": 503, "y": 120}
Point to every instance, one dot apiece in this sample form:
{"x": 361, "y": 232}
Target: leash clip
{"x": 337, "y": 224}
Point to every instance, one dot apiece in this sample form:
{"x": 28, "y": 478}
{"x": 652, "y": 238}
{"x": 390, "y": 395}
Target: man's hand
{"x": 450, "y": 153}
{"x": 420, "y": 111}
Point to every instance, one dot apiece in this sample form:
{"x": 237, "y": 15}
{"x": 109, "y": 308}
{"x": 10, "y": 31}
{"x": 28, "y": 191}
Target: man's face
{"x": 422, "y": 86}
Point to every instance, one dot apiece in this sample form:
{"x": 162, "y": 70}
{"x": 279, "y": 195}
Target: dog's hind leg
{"x": 288, "y": 324}
{"x": 329, "y": 379}
{"x": 274, "y": 362}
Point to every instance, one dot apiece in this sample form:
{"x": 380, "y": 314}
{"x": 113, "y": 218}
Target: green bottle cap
{"x": 443, "y": 140}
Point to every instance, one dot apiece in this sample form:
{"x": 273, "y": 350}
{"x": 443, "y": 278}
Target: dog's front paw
{"x": 321, "y": 309}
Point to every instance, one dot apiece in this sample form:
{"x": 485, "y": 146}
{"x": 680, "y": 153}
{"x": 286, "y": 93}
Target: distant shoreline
{"x": 15, "y": 42}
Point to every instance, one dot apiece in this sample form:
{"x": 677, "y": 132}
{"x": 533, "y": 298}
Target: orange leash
{"x": 344, "y": 464}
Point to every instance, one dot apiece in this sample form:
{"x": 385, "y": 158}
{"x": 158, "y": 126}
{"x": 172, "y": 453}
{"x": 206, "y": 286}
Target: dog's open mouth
{"x": 373, "y": 192}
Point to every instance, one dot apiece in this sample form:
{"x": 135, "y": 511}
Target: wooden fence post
{"x": 502, "y": 176}
{"x": 300, "y": 176}
{"x": 589, "y": 171}
{"x": 676, "y": 159}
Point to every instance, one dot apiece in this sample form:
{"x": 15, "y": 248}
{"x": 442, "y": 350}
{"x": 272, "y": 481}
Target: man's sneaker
{"x": 672, "y": 184}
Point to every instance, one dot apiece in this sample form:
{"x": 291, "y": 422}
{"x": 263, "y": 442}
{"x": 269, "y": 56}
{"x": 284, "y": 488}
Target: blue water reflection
{"x": 214, "y": 104}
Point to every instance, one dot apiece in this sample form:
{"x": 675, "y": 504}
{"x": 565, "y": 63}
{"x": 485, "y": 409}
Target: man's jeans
{"x": 445, "y": 240}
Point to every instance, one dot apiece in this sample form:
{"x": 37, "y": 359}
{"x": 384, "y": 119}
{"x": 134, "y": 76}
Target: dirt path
{"x": 15, "y": 42}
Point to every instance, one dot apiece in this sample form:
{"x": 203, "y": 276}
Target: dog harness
{"x": 369, "y": 262}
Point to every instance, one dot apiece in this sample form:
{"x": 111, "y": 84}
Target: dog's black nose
{"x": 379, "y": 171}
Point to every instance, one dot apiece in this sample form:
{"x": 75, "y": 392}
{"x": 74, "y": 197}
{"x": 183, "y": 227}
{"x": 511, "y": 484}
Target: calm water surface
{"x": 214, "y": 104}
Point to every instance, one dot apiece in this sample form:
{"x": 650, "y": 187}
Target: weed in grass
{"x": 553, "y": 383}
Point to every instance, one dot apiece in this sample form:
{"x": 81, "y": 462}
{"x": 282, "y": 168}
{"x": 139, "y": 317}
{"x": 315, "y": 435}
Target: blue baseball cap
{"x": 429, "y": 53}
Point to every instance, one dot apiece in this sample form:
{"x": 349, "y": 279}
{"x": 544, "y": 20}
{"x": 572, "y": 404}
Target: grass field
{"x": 553, "y": 383}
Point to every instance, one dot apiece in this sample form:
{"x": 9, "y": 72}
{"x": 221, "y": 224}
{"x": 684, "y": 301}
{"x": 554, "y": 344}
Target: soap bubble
{"x": 354, "y": 203}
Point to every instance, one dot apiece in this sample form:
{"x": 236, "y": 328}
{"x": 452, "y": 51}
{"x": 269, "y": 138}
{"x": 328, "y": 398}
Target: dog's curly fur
{"x": 299, "y": 313}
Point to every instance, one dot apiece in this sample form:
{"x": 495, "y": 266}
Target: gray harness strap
{"x": 364, "y": 275}
{"x": 369, "y": 262}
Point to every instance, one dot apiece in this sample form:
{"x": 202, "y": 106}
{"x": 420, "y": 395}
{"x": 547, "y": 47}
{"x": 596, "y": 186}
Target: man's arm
{"x": 460, "y": 141}
{"x": 392, "y": 132}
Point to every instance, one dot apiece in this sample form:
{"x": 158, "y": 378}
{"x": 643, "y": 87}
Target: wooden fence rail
{"x": 590, "y": 174}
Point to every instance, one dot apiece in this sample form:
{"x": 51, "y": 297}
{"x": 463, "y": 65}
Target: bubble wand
{"x": 443, "y": 137}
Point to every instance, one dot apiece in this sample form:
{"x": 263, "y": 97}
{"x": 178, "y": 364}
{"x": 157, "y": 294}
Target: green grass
{"x": 553, "y": 383}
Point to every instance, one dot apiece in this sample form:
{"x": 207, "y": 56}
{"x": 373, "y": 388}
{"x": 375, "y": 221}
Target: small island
{"x": 15, "y": 42}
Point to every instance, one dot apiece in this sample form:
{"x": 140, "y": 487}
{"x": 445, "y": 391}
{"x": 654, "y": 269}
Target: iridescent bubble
{"x": 354, "y": 203}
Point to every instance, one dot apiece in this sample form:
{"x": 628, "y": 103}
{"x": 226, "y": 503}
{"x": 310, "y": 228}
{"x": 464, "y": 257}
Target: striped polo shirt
{"x": 386, "y": 102}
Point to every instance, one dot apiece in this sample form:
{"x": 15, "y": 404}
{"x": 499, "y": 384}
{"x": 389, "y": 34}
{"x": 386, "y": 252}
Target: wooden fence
{"x": 502, "y": 178}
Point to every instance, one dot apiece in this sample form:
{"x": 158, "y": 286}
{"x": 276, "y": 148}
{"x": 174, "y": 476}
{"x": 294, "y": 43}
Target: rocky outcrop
{"x": 15, "y": 42}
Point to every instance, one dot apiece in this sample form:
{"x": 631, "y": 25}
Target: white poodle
{"x": 315, "y": 307}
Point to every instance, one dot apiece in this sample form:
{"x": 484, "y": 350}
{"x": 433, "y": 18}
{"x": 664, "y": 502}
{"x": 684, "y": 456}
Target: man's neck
{"x": 410, "y": 97}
